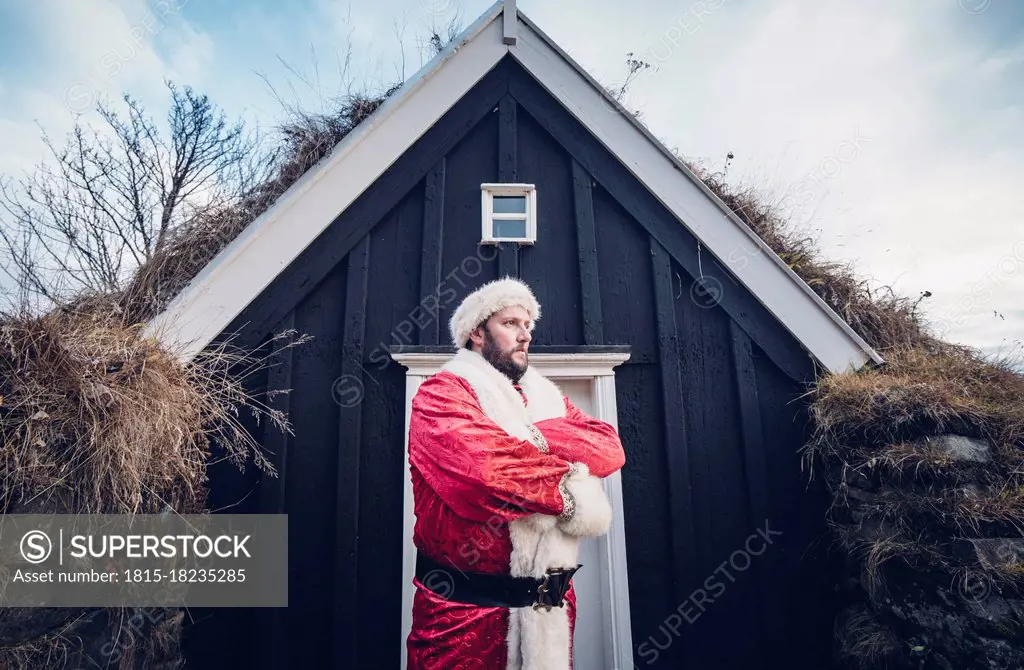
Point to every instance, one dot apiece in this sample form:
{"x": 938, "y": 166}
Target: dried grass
{"x": 52, "y": 650}
{"x": 865, "y": 641}
{"x": 113, "y": 638}
{"x": 109, "y": 421}
{"x": 102, "y": 420}
{"x": 930, "y": 389}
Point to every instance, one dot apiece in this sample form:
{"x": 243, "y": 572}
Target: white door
{"x": 589, "y": 649}
{"x": 603, "y": 639}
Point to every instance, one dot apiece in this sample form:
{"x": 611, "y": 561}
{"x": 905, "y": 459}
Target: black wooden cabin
{"x": 630, "y": 251}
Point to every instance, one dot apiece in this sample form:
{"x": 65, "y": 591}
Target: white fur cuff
{"x": 588, "y": 512}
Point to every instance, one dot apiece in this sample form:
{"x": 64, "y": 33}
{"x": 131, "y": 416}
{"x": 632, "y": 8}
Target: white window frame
{"x": 488, "y": 217}
{"x": 599, "y": 368}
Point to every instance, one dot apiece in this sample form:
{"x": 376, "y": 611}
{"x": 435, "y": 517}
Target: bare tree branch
{"x": 110, "y": 198}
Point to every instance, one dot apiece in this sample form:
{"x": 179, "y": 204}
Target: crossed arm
{"x": 579, "y": 438}
{"x": 481, "y": 472}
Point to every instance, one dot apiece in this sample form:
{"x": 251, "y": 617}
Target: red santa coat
{"x": 505, "y": 481}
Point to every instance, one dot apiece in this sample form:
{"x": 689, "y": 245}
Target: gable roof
{"x": 243, "y": 269}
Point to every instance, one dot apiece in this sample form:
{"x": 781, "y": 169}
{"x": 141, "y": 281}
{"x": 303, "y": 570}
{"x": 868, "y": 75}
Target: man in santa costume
{"x": 506, "y": 482}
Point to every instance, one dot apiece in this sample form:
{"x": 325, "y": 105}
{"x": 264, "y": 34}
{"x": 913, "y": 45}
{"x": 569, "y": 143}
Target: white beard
{"x": 537, "y": 639}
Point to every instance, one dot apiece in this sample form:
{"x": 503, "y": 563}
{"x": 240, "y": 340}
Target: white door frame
{"x": 599, "y": 368}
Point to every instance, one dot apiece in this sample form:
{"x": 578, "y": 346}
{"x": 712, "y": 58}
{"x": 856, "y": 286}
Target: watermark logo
{"x": 440, "y": 582}
{"x": 36, "y": 546}
{"x": 975, "y": 6}
{"x": 438, "y": 7}
{"x": 348, "y": 390}
{"x": 974, "y": 587}
{"x": 689, "y": 24}
{"x": 815, "y": 186}
{"x": 79, "y": 97}
{"x": 147, "y": 560}
{"x": 706, "y": 292}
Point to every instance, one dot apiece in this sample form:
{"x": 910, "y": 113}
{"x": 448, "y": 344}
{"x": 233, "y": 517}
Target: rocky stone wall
{"x": 918, "y": 596}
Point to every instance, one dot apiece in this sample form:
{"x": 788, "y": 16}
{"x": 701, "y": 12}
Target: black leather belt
{"x": 488, "y": 590}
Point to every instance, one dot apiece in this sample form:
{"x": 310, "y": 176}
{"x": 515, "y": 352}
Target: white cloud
{"x": 105, "y": 48}
{"x": 190, "y": 53}
{"x": 927, "y": 200}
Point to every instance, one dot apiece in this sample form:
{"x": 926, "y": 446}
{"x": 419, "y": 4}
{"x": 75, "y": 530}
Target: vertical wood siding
{"x": 673, "y": 395}
{"x": 391, "y": 319}
{"x": 586, "y": 250}
{"x": 759, "y": 500}
{"x": 430, "y": 270}
{"x": 720, "y": 498}
{"x": 272, "y": 491}
{"x": 508, "y": 173}
{"x": 627, "y": 293}
{"x": 311, "y": 487}
{"x": 552, "y": 265}
{"x": 801, "y": 604}
{"x": 347, "y": 390}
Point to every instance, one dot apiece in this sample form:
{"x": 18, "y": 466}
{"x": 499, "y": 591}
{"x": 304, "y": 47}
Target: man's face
{"x": 504, "y": 341}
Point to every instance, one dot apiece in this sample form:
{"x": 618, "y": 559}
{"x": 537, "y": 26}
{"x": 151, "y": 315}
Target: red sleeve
{"x": 478, "y": 469}
{"x": 584, "y": 439}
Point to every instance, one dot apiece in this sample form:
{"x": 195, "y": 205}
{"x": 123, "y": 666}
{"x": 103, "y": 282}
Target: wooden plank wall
{"x": 392, "y": 318}
{"x": 349, "y": 441}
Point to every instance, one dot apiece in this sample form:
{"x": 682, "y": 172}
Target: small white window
{"x": 509, "y": 213}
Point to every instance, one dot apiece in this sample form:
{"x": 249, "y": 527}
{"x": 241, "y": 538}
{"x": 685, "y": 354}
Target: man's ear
{"x": 476, "y": 336}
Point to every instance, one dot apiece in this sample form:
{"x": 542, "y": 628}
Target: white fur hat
{"x": 492, "y": 297}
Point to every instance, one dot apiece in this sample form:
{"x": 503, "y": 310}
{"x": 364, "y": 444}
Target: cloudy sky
{"x": 895, "y": 127}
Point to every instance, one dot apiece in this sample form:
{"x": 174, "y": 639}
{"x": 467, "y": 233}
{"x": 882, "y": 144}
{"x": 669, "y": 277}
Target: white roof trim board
{"x": 510, "y": 22}
{"x": 241, "y": 271}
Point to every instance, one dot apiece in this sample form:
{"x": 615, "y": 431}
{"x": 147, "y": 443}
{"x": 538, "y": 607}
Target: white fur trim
{"x": 543, "y": 638}
{"x": 492, "y": 297}
{"x": 593, "y": 515}
{"x": 537, "y": 639}
{"x": 546, "y": 400}
{"x": 499, "y": 399}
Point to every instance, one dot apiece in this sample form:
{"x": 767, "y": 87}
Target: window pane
{"x": 516, "y": 229}
{"x": 510, "y": 204}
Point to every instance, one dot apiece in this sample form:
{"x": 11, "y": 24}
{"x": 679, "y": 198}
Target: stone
{"x": 998, "y": 552}
{"x": 972, "y": 490}
{"x": 961, "y": 625}
{"x": 959, "y": 447}
{"x": 861, "y": 495}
